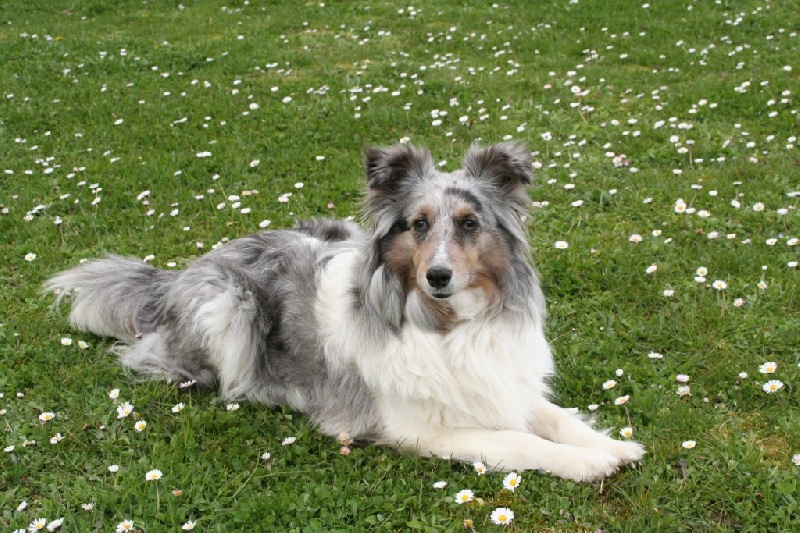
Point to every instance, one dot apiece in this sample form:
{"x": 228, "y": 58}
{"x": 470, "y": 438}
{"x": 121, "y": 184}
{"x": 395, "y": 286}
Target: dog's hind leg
{"x": 560, "y": 425}
{"x": 217, "y": 309}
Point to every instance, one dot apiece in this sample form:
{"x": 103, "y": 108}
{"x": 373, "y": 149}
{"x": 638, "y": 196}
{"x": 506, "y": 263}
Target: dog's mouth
{"x": 440, "y": 294}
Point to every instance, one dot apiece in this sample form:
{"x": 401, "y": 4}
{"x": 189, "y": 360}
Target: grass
{"x": 103, "y": 101}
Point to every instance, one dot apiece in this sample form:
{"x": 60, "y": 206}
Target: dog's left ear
{"x": 506, "y": 166}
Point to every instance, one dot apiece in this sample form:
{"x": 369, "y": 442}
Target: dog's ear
{"x": 387, "y": 171}
{"x": 506, "y": 166}
{"x": 387, "y": 167}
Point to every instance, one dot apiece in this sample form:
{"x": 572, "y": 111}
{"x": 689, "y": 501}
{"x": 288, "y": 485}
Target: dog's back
{"x": 241, "y": 317}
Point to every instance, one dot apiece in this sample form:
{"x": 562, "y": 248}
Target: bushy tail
{"x": 114, "y": 297}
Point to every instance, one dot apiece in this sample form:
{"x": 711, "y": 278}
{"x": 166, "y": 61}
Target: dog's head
{"x": 447, "y": 240}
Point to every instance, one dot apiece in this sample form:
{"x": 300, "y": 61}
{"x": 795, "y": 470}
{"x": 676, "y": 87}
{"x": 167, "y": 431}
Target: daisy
{"x": 440, "y": 484}
{"x": 701, "y": 271}
{"x": 9, "y": 449}
{"x": 635, "y": 238}
{"x": 47, "y": 416}
{"x": 140, "y": 425}
{"x": 742, "y": 375}
{"x": 66, "y": 341}
{"x": 178, "y": 407}
{"x": 232, "y": 407}
{"x": 502, "y": 516}
{"x": 561, "y": 245}
{"x": 622, "y": 400}
{"x": 626, "y": 432}
{"x": 479, "y": 467}
{"x": 772, "y": 385}
{"x": 464, "y": 496}
{"x": 189, "y": 525}
{"x": 768, "y": 368}
{"x": 55, "y": 524}
{"x": 153, "y": 475}
{"x": 655, "y": 355}
{"x": 610, "y": 384}
{"x": 684, "y": 390}
{"x": 719, "y": 285}
{"x": 124, "y": 410}
{"x": 266, "y": 456}
{"x": 83, "y": 345}
{"x": 125, "y": 525}
{"x": 30, "y": 257}
{"x": 796, "y": 459}
{"x": 689, "y": 444}
{"x": 682, "y": 378}
{"x": 113, "y": 394}
{"x": 651, "y": 269}
{"x": 55, "y": 439}
{"x": 113, "y": 469}
{"x": 512, "y": 481}
{"x": 88, "y": 507}
{"x": 38, "y": 524}
{"x": 288, "y": 440}
{"x": 593, "y": 407}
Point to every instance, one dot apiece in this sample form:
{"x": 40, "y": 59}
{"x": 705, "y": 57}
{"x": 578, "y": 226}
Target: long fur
{"x": 427, "y": 333}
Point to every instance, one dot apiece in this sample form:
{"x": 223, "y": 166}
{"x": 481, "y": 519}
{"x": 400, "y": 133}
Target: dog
{"x": 426, "y": 333}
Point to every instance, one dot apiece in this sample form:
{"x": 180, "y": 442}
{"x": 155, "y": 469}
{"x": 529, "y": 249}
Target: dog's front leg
{"x": 560, "y": 425}
{"x": 515, "y": 450}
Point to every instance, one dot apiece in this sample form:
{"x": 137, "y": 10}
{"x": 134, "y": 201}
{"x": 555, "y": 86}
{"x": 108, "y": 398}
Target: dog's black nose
{"x": 439, "y": 277}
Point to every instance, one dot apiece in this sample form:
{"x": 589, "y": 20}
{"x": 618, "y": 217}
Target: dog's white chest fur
{"x": 482, "y": 372}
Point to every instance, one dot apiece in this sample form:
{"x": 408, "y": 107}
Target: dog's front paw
{"x": 586, "y": 464}
{"x": 625, "y": 451}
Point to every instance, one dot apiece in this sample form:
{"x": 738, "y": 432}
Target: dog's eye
{"x": 420, "y": 225}
{"x": 469, "y": 225}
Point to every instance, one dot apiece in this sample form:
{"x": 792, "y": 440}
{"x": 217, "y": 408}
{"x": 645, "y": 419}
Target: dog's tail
{"x": 114, "y": 297}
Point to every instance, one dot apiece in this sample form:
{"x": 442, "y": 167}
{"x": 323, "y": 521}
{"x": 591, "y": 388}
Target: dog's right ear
{"x": 388, "y": 170}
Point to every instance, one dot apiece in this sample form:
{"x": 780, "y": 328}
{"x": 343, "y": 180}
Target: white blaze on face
{"x": 441, "y": 257}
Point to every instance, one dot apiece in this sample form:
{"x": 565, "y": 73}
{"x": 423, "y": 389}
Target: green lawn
{"x": 665, "y": 137}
